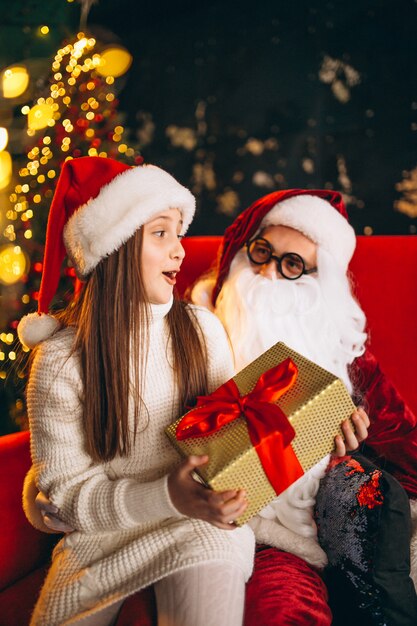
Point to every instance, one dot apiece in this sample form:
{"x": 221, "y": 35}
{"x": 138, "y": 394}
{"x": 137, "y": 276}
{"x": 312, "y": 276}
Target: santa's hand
{"x": 50, "y": 514}
{"x": 192, "y": 499}
{"x": 352, "y": 439}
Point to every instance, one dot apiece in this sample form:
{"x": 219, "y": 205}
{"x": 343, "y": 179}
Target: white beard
{"x": 323, "y": 324}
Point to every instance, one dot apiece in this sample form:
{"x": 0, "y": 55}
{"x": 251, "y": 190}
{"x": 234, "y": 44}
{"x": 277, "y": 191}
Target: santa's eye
{"x": 293, "y": 263}
{"x": 259, "y": 251}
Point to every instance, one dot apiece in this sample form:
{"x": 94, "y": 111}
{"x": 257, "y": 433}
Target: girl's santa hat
{"x": 99, "y": 203}
{"x": 319, "y": 214}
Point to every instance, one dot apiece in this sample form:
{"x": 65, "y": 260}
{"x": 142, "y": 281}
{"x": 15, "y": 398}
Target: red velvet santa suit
{"x": 392, "y": 438}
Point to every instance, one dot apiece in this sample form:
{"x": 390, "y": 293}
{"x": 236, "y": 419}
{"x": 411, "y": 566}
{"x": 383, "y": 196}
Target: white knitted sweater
{"x": 128, "y": 532}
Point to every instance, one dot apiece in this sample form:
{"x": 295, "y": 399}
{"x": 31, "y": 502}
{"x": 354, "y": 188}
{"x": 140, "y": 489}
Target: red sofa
{"x": 383, "y": 269}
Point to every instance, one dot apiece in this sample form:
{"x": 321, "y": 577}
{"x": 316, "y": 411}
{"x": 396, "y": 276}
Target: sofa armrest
{"x": 22, "y": 548}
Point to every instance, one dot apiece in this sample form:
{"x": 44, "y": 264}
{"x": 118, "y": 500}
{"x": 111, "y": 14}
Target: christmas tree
{"x": 77, "y": 115}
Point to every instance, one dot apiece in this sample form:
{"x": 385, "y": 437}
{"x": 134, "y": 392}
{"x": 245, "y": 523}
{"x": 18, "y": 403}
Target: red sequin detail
{"x": 369, "y": 494}
{"x": 355, "y": 467}
{"x": 334, "y": 461}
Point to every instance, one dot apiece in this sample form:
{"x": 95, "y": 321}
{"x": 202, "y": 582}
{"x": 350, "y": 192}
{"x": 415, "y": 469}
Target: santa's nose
{"x": 270, "y": 270}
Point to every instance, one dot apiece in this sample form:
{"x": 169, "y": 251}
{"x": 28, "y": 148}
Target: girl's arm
{"x": 86, "y": 496}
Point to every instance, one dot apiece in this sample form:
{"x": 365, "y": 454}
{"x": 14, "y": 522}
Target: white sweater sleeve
{"x": 87, "y": 497}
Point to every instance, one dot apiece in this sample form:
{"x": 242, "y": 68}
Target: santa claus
{"x": 282, "y": 275}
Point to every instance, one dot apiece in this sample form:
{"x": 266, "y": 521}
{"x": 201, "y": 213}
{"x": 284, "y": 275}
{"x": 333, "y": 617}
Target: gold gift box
{"x": 316, "y": 405}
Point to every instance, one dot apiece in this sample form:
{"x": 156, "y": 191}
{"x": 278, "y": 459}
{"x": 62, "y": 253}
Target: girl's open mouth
{"x": 171, "y": 277}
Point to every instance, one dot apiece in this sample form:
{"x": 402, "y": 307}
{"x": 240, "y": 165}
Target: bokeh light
{"x": 39, "y": 116}
{"x": 5, "y": 169}
{"x": 114, "y": 62}
{"x": 4, "y": 138}
{"x": 15, "y": 81}
{"x": 13, "y": 264}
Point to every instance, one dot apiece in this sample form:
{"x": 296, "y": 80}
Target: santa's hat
{"x": 98, "y": 205}
{"x": 319, "y": 214}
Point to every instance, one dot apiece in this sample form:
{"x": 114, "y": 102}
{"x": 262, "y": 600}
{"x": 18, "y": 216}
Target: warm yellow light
{"x": 5, "y": 169}
{"x": 40, "y": 116}
{"x": 13, "y": 264}
{"x": 79, "y": 46}
{"x": 114, "y": 62}
{"x": 4, "y": 138}
{"x": 15, "y": 81}
{"x": 44, "y": 30}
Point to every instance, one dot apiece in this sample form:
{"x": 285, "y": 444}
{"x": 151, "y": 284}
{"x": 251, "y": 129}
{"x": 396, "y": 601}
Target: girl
{"x": 110, "y": 373}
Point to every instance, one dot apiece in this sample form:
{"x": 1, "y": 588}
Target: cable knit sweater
{"x": 128, "y": 532}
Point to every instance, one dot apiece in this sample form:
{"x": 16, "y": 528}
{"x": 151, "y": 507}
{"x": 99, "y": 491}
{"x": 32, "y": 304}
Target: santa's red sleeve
{"x": 392, "y": 439}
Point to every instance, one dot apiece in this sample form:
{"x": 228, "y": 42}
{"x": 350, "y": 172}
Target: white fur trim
{"x": 319, "y": 221}
{"x": 35, "y": 327}
{"x": 273, "y": 534}
{"x": 413, "y": 544}
{"x": 131, "y": 199}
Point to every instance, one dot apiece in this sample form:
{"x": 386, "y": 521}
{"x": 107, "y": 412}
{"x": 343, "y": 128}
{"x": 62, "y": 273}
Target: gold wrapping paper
{"x": 316, "y": 406}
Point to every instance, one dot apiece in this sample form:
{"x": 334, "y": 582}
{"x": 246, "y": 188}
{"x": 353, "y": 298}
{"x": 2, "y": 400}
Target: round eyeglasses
{"x": 290, "y": 265}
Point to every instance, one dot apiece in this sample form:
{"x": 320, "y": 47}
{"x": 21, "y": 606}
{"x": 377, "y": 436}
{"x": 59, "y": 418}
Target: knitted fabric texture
{"x": 128, "y": 532}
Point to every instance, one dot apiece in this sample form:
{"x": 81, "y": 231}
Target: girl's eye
{"x": 159, "y": 233}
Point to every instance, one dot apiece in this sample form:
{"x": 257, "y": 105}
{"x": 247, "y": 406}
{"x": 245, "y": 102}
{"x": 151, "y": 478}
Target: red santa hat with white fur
{"x": 98, "y": 204}
{"x": 319, "y": 214}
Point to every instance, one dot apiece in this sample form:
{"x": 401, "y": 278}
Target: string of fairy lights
{"x": 78, "y": 117}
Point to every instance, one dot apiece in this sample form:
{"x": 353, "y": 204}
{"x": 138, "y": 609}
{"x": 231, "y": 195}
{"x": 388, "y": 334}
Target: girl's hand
{"x": 352, "y": 439}
{"x": 194, "y": 500}
{"x": 50, "y": 514}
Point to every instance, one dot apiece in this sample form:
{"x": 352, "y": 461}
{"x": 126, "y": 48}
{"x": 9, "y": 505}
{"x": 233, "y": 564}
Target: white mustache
{"x": 299, "y": 297}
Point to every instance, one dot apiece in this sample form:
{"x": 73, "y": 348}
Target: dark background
{"x": 239, "y": 99}
{"x": 231, "y": 72}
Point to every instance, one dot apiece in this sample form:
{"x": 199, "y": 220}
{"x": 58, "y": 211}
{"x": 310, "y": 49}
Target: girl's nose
{"x": 178, "y": 251}
{"x": 270, "y": 270}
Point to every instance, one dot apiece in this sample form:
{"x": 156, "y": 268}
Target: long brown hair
{"x": 111, "y": 316}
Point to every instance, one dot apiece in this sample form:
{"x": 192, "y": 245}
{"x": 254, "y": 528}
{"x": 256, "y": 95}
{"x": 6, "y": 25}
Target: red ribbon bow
{"x": 269, "y": 429}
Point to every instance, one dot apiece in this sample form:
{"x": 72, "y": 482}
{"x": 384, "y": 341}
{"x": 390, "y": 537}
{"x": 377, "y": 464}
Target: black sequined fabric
{"x": 363, "y": 525}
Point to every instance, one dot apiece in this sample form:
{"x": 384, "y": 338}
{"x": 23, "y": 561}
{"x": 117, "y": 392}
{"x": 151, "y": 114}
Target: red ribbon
{"x": 269, "y": 429}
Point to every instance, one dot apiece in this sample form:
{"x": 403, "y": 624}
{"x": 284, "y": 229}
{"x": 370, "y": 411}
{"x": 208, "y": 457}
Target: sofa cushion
{"x": 18, "y": 600}
{"x": 22, "y": 548}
